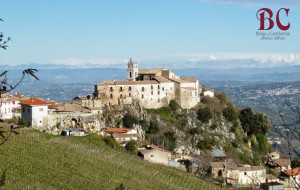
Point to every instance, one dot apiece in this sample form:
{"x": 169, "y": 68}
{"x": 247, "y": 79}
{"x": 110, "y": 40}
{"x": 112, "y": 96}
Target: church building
{"x": 153, "y": 88}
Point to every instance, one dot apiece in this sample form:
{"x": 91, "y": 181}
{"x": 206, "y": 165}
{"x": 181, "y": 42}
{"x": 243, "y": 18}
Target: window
{"x": 130, "y": 75}
{"x": 111, "y": 96}
{"x": 111, "y": 89}
{"x": 152, "y": 155}
{"x": 129, "y": 88}
{"x": 158, "y": 87}
{"x": 121, "y": 96}
{"x": 129, "y": 94}
{"x": 142, "y": 96}
{"x": 245, "y": 173}
{"x": 121, "y": 89}
{"x": 13, "y": 102}
{"x": 41, "y": 109}
{"x": 40, "y": 121}
{"x": 23, "y": 110}
{"x": 163, "y": 88}
{"x": 143, "y": 89}
{"x": 151, "y": 92}
{"x": 151, "y": 87}
{"x": 158, "y": 100}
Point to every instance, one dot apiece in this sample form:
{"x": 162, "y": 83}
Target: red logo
{"x": 266, "y": 14}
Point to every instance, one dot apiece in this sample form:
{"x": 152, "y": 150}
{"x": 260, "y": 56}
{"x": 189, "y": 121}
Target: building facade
{"x": 152, "y": 88}
{"x": 35, "y": 112}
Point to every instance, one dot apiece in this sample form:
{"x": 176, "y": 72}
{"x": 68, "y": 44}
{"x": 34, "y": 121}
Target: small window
{"x": 129, "y": 94}
{"x": 40, "y": 121}
{"x": 129, "y": 88}
{"x": 158, "y": 87}
{"x": 163, "y": 88}
{"x": 158, "y": 100}
{"x": 111, "y": 96}
{"x": 111, "y": 89}
{"x": 13, "y": 102}
{"x": 23, "y": 110}
{"x": 121, "y": 96}
{"x": 41, "y": 109}
{"x": 158, "y": 92}
{"x": 151, "y": 87}
{"x": 142, "y": 96}
{"x": 151, "y": 92}
{"x": 121, "y": 89}
{"x": 245, "y": 173}
{"x": 152, "y": 155}
{"x": 143, "y": 89}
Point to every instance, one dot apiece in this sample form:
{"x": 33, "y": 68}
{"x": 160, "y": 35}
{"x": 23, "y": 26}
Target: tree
{"x": 229, "y": 113}
{"x": 7, "y": 86}
{"x": 129, "y": 120}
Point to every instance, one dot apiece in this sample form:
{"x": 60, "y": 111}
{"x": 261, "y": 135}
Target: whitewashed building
{"x": 9, "y": 105}
{"x": 250, "y": 175}
{"x": 152, "y": 88}
{"x": 35, "y": 112}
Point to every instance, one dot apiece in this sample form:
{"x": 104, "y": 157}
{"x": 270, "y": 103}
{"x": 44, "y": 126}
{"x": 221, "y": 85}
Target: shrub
{"x": 132, "y": 147}
{"x": 153, "y": 128}
{"x": 207, "y": 143}
{"x": 111, "y": 142}
{"x": 170, "y": 140}
{"x": 173, "y": 105}
{"x": 204, "y": 114}
{"x": 229, "y": 113}
{"x": 129, "y": 120}
{"x": 222, "y": 97}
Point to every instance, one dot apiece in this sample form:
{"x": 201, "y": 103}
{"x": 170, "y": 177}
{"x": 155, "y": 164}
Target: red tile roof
{"x": 117, "y": 130}
{"x": 293, "y": 172}
{"x": 34, "y": 101}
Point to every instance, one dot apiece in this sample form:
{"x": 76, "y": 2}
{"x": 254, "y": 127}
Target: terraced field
{"x": 35, "y": 160}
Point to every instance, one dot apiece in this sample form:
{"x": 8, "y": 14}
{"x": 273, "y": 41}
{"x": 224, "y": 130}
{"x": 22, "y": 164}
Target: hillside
{"x": 36, "y": 160}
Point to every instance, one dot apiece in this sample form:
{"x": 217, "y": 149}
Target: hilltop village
{"x": 107, "y": 112}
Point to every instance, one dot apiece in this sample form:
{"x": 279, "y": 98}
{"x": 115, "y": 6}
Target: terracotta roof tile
{"x": 34, "y": 101}
{"x": 117, "y": 130}
{"x": 150, "y": 71}
{"x": 293, "y": 172}
{"x": 127, "y": 82}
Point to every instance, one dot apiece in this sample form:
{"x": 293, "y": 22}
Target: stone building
{"x": 153, "y": 88}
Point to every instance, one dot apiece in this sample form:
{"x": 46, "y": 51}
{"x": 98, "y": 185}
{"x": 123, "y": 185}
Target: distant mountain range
{"x": 64, "y": 74}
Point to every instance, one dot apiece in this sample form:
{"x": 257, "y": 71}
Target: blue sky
{"x": 175, "y": 33}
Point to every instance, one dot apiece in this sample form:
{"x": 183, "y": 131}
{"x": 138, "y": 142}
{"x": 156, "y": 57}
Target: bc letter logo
{"x": 264, "y": 15}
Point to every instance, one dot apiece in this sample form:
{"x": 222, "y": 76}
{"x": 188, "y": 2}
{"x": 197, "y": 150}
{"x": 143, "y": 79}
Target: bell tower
{"x": 132, "y": 70}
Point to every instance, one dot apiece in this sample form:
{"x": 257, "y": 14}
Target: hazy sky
{"x": 179, "y": 33}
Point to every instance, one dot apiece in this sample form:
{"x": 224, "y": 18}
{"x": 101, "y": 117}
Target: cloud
{"x": 223, "y": 60}
{"x": 88, "y": 63}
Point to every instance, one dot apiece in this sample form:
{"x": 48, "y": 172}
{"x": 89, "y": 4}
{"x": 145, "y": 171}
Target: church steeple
{"x": 132, "y": 70}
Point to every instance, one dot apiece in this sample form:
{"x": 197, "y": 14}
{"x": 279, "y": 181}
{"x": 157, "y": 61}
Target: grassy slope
{"x": 35, "y": 160}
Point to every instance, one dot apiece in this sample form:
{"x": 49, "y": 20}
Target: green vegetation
{"x": 207, "y": 143}
{"x": 129, "y": 120}
{"x": 252, "y": 123}
{"x": 230, "y": 113}
{"x": 204, "y": 114}
{"x": 165, "y": 113}
{"x": 170, "y": 140}
{"x": 132, "y": 147}
{"x": 35, "y": 160}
